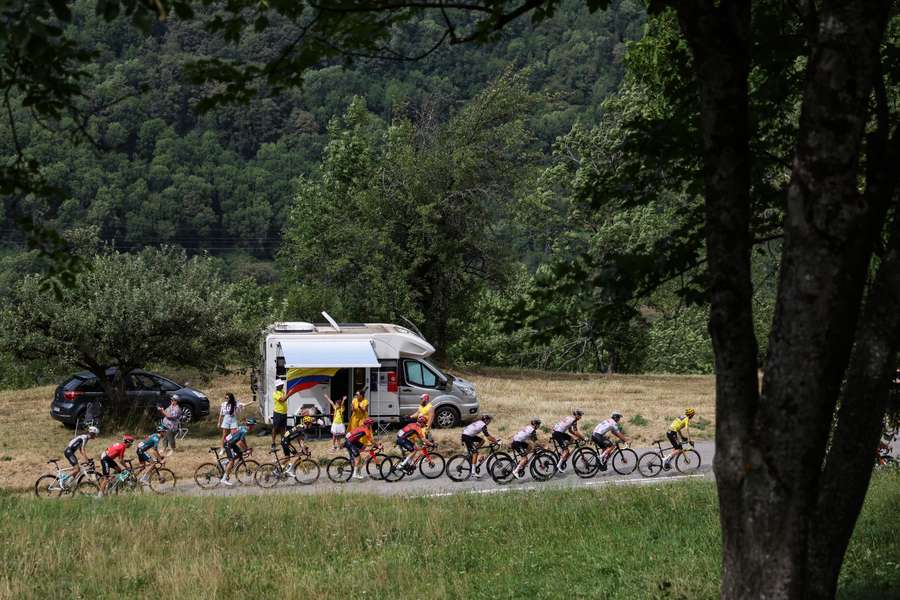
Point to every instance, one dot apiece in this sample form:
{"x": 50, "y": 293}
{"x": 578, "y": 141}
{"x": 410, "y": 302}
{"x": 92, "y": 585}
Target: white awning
{"x": 329, "y": 353}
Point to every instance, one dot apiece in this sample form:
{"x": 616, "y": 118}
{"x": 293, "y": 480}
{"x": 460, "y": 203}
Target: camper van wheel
{"x": 446, "y": 417}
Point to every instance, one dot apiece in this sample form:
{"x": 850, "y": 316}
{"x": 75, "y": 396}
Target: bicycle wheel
{"x": 585, "y": 462}
{"x": 373, "y": 465}
{"x": 128, "y": 487}
{"x": 162, "y": 481}
{"x": 340, "y": 469}
{"x": 458, "y": 467}
{"x": 267, "y": 475}
{"x": 208, "y": 475}
{"x": 624, "y": 461}
{"x": 47, "y": 486}
{"x": 650, "y": 464}
{"x": 245, "y": 471}
{"x": 688, "y": 461}
{"x": 87, "y": 487}
{"x": 390, "y": 469}
{"x": 306, "y": 472}
{"x": 432, "y": 466}
{"x": 502, "y": 469}
{"x": 543, "y": 466}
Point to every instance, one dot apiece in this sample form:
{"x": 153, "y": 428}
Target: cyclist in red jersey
{"x": 108, "y": 460}
{"x": 356, "y": 440}
{"x": 406, "y": 437}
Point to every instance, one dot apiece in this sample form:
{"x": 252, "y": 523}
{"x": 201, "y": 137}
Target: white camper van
{"x": 388, "y": 361}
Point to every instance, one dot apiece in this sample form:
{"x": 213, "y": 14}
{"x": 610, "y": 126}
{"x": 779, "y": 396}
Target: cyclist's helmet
{"x": 422, "y": 420}
{"x": 487, "y": 418}
{"x": 308, "y": 420}
{"x": 369, "y": 422}
{"x": 616, "y": 415}
{"x": 93, "y": 431}
{"x": 425, "y": 397}
{"x": 160, "y": 429}
{"x": 577, "y": 413}
{"x": 690, "y": 412}
{"x": 128, "y": 439}
{"x": 251, "y": 421}
{"x": 535, "y": 422}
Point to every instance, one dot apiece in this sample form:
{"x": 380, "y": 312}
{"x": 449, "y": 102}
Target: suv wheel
{"x": 446, "y": 417}
{"x": 187, "y": 412}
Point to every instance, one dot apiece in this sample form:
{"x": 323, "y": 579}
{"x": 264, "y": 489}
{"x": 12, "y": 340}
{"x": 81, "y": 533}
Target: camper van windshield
{"x": 441, "y": 375}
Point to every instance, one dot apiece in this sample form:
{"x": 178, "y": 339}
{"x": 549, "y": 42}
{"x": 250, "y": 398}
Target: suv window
{"x": 418, "y": 374}
{"x": 90, "y": 385}
{"x": 145, "y": 382}
{"x": 166, "y": 385}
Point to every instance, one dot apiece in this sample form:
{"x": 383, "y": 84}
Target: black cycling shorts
{"x": 601, "y": 440}
{"x": 354, "y": 448}
{"x": 296, "y": 432}
{"x": 234, "y": 451}
{"x": 472, "y": 442}
{"x": 520, "y": 447}
{"x": 406, "y": 444}
{"x": 70, "y": 456}
{"x": 673, "y": 438}
{"x": 143, "y": 456}
{"x": 562, "y": 438}
{"x": 106, "y": 463}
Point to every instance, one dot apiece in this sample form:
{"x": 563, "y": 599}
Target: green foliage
{"x": 412, "y": 218}
{"x": 638, "y": 420}
{"x": 129, "y": 310}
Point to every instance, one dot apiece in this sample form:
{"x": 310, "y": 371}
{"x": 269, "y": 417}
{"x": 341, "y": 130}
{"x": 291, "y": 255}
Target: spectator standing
{"x": 359, "y": 409}
{"x": 338, "y": 429}
{"x": 279, "y": 411}
{"x": 171, "y": 421}
{"x": 230, "y": 413}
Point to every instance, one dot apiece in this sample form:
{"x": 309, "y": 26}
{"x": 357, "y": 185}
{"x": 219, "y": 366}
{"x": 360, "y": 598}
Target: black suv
{"x": 145, "y": 390}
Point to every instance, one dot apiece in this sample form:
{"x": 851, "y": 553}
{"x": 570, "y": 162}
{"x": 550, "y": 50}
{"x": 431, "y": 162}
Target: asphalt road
{"x": 444, "y": 486}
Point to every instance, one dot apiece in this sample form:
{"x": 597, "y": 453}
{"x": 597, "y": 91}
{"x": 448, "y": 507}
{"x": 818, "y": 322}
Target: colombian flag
{"x": 303, "y": 379}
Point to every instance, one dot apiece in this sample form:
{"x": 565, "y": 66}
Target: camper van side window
{"x": 418, "y": 374}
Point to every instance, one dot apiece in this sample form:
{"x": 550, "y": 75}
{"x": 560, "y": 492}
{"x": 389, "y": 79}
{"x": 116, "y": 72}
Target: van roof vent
{"x": 295, "y": 326}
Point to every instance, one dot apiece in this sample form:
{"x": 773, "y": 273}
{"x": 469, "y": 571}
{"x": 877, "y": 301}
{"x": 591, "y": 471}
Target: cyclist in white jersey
{"x": 563, "y": 432}
{"x": 472, "y": 440}
{"x": 521, "y": 443}
{"x": 610, "y": 425}
{"x": 79, "y": 444}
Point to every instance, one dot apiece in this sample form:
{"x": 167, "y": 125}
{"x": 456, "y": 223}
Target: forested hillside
{"x": 458, "y": 190}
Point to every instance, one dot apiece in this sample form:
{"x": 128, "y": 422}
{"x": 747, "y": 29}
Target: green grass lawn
{"x": 616, "y": 542}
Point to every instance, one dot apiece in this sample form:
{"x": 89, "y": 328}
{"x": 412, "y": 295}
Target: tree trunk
{"x": 770, "y": 447}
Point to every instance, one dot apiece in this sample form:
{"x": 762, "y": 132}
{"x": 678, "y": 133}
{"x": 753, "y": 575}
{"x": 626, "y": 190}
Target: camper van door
{"x": 384, "y": 399}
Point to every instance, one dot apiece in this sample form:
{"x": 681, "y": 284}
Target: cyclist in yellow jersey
{"x": 680, "y": 428}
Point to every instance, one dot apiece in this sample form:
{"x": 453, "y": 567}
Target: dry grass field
{"x": 28, "y": 436}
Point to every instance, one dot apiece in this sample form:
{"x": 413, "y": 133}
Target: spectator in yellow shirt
{"x": 359, "y": 409}
{"x": 426, "y": 409}
{"x": 338, "y": 428}
{"x": 279, "y": 411}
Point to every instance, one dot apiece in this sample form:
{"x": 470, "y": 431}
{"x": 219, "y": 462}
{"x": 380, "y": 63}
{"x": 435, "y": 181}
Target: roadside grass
{"x": 616, "y": 543}
{"x": 28, "y": 436}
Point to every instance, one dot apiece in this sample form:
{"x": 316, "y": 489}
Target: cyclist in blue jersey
{"x": 236, "y": 445}
{"x": 151, "y": 442}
